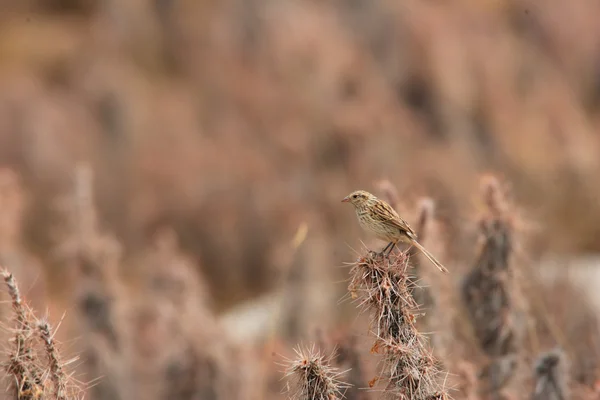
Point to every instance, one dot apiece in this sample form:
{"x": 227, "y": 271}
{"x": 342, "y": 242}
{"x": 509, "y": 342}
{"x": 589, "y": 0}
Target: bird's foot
{"x": 382, "y": 254}
{"x": 376, "y": 254}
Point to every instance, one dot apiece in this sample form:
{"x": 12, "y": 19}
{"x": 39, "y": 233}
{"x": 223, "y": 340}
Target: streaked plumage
{"x": 379, "y": 218}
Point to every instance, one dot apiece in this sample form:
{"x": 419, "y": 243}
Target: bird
{"x": 378, "y": 218}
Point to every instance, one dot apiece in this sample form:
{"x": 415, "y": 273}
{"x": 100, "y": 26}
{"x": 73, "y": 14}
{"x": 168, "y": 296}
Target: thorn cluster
{"x": 315, "y": 378}
{"x": 21, "y": 365}
{"x": 383, "y": 287}
{"x": 24, "y": 365}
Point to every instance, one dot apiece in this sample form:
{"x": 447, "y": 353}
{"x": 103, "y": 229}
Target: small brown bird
{"x": 379, "y": 218}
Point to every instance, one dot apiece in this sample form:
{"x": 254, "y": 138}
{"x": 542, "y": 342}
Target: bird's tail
{"x": 430, "y": 256}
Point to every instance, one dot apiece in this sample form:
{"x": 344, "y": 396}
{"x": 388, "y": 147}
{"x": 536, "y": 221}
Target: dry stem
{"x": 22, "y": 365}
{"x": 59, "y": 379}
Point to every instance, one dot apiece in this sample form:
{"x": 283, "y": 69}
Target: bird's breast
{"x": 371, "y": 225}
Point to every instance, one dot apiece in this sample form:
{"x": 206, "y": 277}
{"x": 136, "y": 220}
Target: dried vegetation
{"x": 157, "y": 159}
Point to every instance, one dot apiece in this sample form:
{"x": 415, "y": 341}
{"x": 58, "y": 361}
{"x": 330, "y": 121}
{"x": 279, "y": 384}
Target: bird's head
{"x": 358, "y": 198}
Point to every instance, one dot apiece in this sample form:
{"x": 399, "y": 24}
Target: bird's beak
{"x": 346, "y": 199}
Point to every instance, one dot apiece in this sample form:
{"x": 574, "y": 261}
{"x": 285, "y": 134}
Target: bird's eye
{"x": 355, "y": 196}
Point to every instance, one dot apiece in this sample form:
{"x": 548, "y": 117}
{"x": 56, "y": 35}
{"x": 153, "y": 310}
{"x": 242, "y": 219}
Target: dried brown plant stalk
{"x": 57, "y": 374}
{"x": 487, "y": 291}
{"x": 25, "y": 363}
{"x": 551, "y": 377}
{"x": 313, "y": 376}
{"x": 383, "y": 287}
{"x": 92, "y": 258}
{"x": 22, "y": 364}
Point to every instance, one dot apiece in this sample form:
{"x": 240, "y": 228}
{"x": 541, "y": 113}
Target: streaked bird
{"x": 379, "y": 219}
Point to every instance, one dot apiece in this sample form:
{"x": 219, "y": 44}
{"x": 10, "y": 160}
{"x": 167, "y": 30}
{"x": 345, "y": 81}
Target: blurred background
{"x": 172, "y": 170}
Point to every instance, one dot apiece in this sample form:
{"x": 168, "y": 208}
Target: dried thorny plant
{"x": 84, "y": 248}
{"x": 23, "y": 364}
{"x": 313, "y": 377}
{"x": 349, "y": 357}
{"x": 173, "y": 303}
{"x": 383, "y": 287}
{"x": 129, "y": 326}
{"x": 551, "y": 377}
{"x": 487, "y": 290}
{"x": 33, "y": 377}
{"x": 92, "y": 258}
{"x": 57, "y": 373}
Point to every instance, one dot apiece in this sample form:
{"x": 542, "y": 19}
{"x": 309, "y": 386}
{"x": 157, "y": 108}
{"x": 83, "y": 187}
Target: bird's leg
{"x": 382, "y": 252}
{"x": 390, "y": 246}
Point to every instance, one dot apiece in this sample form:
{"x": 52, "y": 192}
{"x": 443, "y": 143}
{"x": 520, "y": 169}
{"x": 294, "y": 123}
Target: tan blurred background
{"x": 238, "y": 122}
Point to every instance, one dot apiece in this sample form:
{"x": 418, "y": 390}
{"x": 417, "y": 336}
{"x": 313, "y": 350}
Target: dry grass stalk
{"x": 314, "y": 377}
{"x": 22, "y": 365}
{"x": 57, "y": 374}
{"x": 486, "y": 290}
{"x": 383, "y": 287}
{"x": 551, "y": 377}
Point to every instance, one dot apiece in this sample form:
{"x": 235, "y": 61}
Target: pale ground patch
{"x": 582, "y": 271}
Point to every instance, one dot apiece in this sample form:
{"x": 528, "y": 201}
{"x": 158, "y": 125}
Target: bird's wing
{"x": 386, "y": 214}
